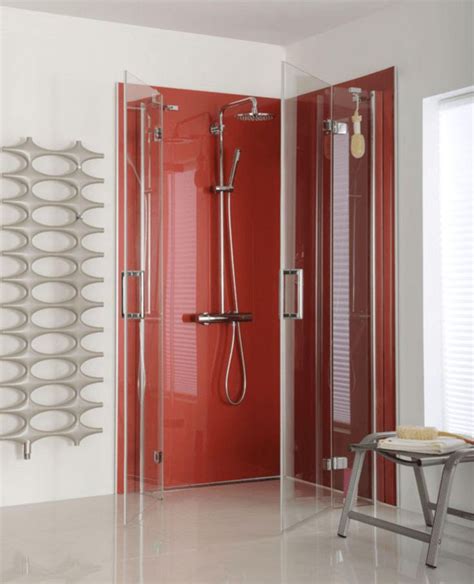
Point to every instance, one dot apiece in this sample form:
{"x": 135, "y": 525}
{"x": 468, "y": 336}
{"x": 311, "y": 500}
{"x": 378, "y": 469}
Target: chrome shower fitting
{"x": 358, "y": 94}
{"x": 254, "y": 116}
{"x": 229, "y": 187}
{"x": 235, "y": 163}
{"x": 232, "y": 316}
{"x": 217, "y": 127}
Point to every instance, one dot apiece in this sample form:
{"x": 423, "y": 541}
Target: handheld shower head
{"x": 235, "y": 163}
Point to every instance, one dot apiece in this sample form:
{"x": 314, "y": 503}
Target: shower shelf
{"x": 206, "y": 318}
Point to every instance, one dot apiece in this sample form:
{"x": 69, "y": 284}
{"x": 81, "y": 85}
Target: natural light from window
{"x": 448, "y": 264}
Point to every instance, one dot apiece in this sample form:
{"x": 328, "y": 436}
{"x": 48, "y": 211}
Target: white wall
{"x": 430, "y": 43}
{"x": 58, "y": 77}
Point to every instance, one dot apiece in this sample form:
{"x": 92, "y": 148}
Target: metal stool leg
{"x": 423, "y": 493}
{"x": 351, "y": 493}
{"x": 441, "y": 512}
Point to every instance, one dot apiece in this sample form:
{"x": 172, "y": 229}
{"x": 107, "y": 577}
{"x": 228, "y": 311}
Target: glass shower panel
{"x": 352, "y": 285}
{"x": 141, "y": 285}
{"x": 306, "y": 485}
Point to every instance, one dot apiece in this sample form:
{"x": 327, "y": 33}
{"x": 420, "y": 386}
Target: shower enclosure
{"x": 337, "y": 282}
{"x": 175, "y": 179}
{"x": 310, "y": 358}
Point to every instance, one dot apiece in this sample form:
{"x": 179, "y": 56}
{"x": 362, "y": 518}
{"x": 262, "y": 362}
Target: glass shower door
{"x": 141, "y": 295}
{"x": 353, "y": 279}
{"x": 306, "y": 421}
{"x": 336, "y": 287}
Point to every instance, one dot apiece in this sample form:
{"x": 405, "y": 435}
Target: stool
{"x": 417, "y": 461}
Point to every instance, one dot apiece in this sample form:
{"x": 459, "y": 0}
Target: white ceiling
{"x": 270, "y": 21}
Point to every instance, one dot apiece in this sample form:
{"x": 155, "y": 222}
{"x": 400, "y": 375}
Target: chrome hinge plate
{"x": 134, "y": 316}
{"x": 333, "y": 127}
{"x": 216, "y": 129}
{"x": 335, "y": 463}
{"x": 157, "y": 456}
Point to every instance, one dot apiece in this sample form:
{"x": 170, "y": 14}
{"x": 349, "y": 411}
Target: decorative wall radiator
{"x": 57, "y": 372}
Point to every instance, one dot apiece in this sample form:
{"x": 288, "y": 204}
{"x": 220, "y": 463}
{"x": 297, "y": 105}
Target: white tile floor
{"x": 223, "y": 535}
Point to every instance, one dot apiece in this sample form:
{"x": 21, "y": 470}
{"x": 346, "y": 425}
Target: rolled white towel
{"x": 441, "y": 445}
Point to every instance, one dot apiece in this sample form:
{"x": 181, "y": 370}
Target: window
{"x": 448, "y": 212}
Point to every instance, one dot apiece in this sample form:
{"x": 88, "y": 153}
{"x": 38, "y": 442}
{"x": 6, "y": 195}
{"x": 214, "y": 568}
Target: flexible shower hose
{"x": 236, "y": 334}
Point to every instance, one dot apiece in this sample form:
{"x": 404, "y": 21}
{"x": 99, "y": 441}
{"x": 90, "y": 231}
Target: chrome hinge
{"x": 158, "y": 134}
{"x": 335, "y": 463}
{"x": 216, "y": 128}
{"x": 333, "y": 127}
{"x": 157, "y": 457}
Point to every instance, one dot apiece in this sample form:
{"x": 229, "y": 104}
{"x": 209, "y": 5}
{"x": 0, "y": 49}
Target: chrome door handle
{"x": 298, "y": 314}
{"x": 140, "y": 274}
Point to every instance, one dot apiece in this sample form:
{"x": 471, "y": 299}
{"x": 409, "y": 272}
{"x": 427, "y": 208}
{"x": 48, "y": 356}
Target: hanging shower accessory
{"x": 224, "y": 191}
{"x": 32, "y": 351}
{"x": 357, "y": 138}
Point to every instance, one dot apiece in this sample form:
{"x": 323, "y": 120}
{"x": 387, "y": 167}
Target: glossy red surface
{"x": 383, "y": 83}
{"x": 357, "y": 189}
{"x": 318, "y": 434}
{"x": 205, "y": 439}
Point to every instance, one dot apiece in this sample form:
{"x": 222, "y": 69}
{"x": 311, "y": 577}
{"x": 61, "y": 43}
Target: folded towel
{"x": 440, "y": 445}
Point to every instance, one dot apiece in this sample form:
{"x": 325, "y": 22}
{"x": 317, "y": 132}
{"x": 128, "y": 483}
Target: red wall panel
{"x": 383, "y": 83}
{"x": 317, "y": 435}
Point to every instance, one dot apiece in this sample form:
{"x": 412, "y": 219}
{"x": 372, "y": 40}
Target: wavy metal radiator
{"x": 36, "y": 367}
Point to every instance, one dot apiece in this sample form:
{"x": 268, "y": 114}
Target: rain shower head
{"x": 217, "y": 128}
{"x": 254, "y": 116}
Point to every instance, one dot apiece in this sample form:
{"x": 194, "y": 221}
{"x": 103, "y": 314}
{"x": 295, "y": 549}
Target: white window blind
{"x": 181, "y": 354}
{"x": 456, "y": 226}
{"x": 341, "y": 368}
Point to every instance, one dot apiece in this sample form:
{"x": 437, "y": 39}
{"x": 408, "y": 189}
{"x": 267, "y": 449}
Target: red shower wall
{"x": 316, "y": 437}
{"x": 383, "y": 83}
{"x": 205, "y": 439}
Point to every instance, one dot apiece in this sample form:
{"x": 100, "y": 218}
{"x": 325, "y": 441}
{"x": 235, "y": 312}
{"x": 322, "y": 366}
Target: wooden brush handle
{"x": 460, "y": 436}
